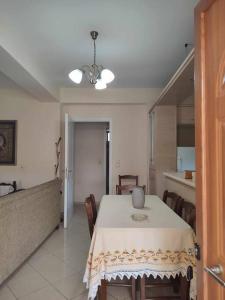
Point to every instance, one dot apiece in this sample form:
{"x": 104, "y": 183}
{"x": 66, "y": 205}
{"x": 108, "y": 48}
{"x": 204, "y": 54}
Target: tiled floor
{"x": 55, "y": 271}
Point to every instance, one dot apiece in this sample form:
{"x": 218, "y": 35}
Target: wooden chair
{"x": 126, "y": 185}
{"x": 174, "y": 201}
{"x": 94, "y": 207}
{"x": 90, "y": 215}
{"x": 182, "y": 287}
{"x": 128, "y": 177}
{"x": 131, "y": 283}
{"x": 126, "y": 189}
{"x": 189, "y": 214}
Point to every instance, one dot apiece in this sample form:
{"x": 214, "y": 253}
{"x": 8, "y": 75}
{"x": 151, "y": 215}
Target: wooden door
{"x": 210, "y": 144}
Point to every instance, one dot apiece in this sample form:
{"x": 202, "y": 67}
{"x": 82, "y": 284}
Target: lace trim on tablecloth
{"x": 121, "y": 275}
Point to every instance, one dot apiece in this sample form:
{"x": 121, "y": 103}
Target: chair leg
{"x": 143, "y": 288}
{"x": 185, "y": 288}
{"x": 176, "y": 284}
{"x": 133, "y": 292}
{"x": 102, "y": 290}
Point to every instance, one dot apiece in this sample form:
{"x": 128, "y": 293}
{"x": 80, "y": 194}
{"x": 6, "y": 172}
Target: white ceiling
{"x": 141, "y": 41}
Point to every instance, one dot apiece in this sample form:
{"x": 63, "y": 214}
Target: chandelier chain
{"x": 94, "y": 53}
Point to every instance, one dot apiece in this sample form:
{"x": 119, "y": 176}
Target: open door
{"x": 68, "y": 177}
{"x": 210, "y": 147}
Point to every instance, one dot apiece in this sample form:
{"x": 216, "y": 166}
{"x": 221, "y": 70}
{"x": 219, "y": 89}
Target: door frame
{"x": 201, "y": 140}
{"x": 67, "y": 173}
{"x": 100, "y": 120}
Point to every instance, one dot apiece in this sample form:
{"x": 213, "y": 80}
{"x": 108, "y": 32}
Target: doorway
{"x": 91, "y": 160}
{"x": 92, "y": 139}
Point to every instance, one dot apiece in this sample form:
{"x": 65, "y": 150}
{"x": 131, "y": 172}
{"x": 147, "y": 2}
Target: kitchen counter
{"x": 175, "y": 182}
{"x": 180, "y": 177}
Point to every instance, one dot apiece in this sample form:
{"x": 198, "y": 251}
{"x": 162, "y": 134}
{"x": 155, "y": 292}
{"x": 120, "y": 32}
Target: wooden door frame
{"x": 200, "y": 117}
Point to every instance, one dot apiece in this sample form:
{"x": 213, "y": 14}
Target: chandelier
{"x": 97, "y": 75}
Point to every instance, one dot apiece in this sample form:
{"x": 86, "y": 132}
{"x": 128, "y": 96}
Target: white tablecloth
{"x": 162, "y": 245}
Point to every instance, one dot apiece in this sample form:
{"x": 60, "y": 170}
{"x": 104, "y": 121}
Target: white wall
{"x": 90, "y": 143}
{"x": 37, "y": 131}
{"x": 129, "y": 135}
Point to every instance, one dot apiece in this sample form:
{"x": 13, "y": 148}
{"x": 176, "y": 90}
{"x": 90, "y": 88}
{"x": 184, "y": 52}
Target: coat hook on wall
{"x": 57, "y": 144}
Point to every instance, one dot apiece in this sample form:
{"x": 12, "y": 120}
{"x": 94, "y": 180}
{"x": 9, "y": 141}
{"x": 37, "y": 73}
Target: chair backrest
{"x": 189, "y": 214}
{"x": 90, "y": 217}
{"x": 94, "y": 208}
{"x": 126, "y": 189}
{"x": 128, "y": 177}
{"x": 174, "y": 201}
{"x": 126, "y": 184}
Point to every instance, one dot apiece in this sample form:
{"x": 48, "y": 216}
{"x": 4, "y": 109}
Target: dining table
{"x": 137, "y": 242}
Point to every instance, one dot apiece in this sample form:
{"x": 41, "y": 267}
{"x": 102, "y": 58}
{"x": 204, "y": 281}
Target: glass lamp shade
{"x": 107, "y": 76}
{"x": 100, "y": 85}
{"x": 76, "y": 76}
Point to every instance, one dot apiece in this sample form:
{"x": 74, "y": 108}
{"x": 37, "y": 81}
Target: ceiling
{"x": 142, "y": 42}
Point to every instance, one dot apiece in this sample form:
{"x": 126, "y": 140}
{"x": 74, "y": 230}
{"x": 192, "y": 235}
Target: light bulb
{"x": 107, "y": 76}
{"x": 100, "y": 85}
{"x": 76, "y": 76}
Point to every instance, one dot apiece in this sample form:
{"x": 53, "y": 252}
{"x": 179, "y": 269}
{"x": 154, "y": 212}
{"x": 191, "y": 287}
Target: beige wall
{"x": 129, "y": 135}
{"x": 89, "y": 162}
{"x": 164, "y": 145}
{"x": 39, "y": 129}
{"x": 185, "y": 115}
{"x": 37, "y": 132}
{"x": 110, "y": 96}
{"x": 186, "y": 111}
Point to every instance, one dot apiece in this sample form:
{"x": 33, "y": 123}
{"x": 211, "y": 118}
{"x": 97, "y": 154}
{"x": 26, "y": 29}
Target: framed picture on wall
{"x": 7, "y": 142}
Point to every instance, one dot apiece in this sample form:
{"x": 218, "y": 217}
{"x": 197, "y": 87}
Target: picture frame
{"x": 8, "y": 142}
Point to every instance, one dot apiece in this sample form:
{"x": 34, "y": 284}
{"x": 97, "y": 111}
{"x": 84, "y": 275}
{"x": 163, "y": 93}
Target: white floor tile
{"x": 83, "y": 296}
{"x": 71, "y": 251}
{"x": 52, "y": 268}
{"x": 6, "y": 294}
{"x": 47, "y": 293}
{"x": 55, "y": 242}
{"x": 40, "y": 252}
{"x": 25, "y": 281}
{"x": 71, "y": 286}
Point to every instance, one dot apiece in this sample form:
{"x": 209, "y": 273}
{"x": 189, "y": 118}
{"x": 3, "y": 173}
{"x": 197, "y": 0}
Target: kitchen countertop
{"x": 179, "y": 176}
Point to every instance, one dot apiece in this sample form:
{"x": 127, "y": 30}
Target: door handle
{"x": 215, "y": 271}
